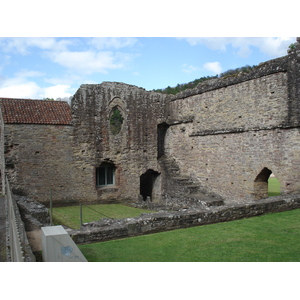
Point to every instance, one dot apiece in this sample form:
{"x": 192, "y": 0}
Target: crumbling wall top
{"x": 266, "y": 68}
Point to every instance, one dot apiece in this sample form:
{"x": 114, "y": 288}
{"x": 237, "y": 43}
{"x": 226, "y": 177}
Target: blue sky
{"x": 55, "y": 67}
{"x": 136, "y": 44}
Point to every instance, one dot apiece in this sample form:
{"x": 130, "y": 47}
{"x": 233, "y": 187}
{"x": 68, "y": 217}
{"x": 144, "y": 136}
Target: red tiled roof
{"x": 27, "y": 111}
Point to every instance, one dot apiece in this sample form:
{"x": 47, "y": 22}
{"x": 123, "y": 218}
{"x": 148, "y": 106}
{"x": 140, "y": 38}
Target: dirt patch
{"x": 35, "y": 240}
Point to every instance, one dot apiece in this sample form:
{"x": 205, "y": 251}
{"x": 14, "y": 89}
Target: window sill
{"x": 110, "y": 188}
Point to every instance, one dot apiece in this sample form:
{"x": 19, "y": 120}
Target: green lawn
{"x": 273, "y": 187}
{"x": 269, "y": 238}
{"x": 70, "y": 215}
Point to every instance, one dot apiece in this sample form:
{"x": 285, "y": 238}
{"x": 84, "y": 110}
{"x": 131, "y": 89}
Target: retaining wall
{"x": 108, "y": 229}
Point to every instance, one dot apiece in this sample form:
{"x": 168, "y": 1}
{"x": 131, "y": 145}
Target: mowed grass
{"x": 273, "y": 187}
{"x": 269, "y": 238}
{"x": 70, "y": 215}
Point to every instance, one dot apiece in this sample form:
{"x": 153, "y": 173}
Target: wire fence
{"x": 81, "y": 206}
{"x": 98, "y": 212}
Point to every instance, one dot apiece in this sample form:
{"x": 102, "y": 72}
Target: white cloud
{"x": 112, "y": 42}
{"x": 92, "y": 55}
{"x": 214, "y": 67}
{"x": 27, "y": 73}
{"x": 57, "y": 91}
{"x": 20, "y": 90}
{"x": 21, "y": 87}
{"x": 211, "y": 43}
{"x": 272, "y": 46}
{"x": 90, "y": 61}
{"x": 23, "y": 45}
{"x": 275, "y": 46}
{"x": 189, "y": 68}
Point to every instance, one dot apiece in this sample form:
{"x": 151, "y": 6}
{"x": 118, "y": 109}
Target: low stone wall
{"x": 34, "y": 214}
{"x": 108, "y": 229}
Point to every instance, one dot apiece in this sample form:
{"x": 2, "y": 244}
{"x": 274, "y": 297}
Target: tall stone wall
{"x": 2, "y": 159}
{"x": 39, "y": 160}
{"x": 252, "y": 104}
{"x": 224, "y": 133}
{"x": 228, "y": 164}
{"x": 132, "y": 151}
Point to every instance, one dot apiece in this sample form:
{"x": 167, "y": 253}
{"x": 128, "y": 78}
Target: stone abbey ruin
{"x": 215, "y": 144}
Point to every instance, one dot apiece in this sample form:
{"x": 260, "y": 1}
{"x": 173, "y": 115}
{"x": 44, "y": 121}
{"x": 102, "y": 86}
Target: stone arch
{"x": 116, "y": 119}
{"x": 116, "y": 115}
{"x": 261, "y": 184}
{"x": 149, "y": 184}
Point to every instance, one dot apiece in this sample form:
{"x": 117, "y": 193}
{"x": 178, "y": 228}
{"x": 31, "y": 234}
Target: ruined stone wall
{"x": 132, "y": 151}
{"x": 228, "y": 164}
{"x": 224, "y": 133}
{"x": 108, "y": 229}
{"x": 39, "y": 159}
{"x": 221, "y": 135}
{"x": 2, "y": 159}
{"x": 253, "y": 104}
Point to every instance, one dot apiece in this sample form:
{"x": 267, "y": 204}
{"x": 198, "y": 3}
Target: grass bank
{"x": 269, "y": 238}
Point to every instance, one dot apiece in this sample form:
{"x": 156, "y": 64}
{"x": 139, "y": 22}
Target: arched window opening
{"x": 116, "y": 120}
{"x": 146, "y": 183}
{"x": 105, "y": 175}
{"x": 266, "y": 185}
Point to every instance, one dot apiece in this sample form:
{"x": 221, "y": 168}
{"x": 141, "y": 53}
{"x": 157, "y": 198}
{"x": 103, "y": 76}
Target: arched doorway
{"x": 147, "y": 181}
{"x": 266, "y": 184}
{"x": 273, "y": 186}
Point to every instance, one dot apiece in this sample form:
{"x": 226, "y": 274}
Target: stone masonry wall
{"x": 2, "y": 159}
{"x": 221, "y": 134}
{"x": 224, "y": 133}
{"x": 227, "y": 164}
{"x": 108, "y": 229}
{"x": 39, "y": 159}
{"x": 257, "y": 103}
{"x": 133, "y": 150}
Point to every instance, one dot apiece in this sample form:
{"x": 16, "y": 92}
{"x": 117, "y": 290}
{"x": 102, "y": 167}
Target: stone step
{"x": 182, "y": 179}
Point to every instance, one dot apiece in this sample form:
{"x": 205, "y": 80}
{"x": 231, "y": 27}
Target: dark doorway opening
{"x": 161, "y": 134}
{"x": 147, "y": 182}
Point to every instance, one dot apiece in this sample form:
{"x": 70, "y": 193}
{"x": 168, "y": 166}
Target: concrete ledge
{"x": 59, "y": 247}
{"x": 108, "y": 229}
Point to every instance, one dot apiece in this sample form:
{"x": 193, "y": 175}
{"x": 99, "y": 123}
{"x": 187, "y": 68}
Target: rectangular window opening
{"x": 105, "y": 175}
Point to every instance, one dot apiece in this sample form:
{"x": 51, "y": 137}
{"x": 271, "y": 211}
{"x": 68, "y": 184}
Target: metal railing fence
{"x": 16, "y": 252}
